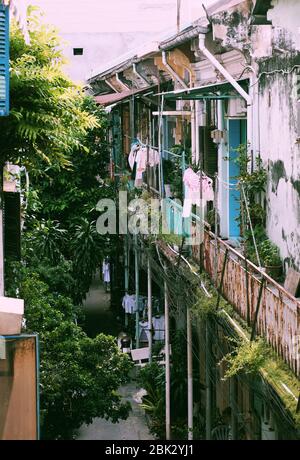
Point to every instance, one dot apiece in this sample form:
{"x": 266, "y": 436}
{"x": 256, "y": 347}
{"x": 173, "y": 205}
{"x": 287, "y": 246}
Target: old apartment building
{"x": 222, "y": 97}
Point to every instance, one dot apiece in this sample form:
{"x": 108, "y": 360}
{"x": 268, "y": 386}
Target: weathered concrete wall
{"x": 18, "y": 404}
{"x": 281, "y": 153}
{"x": 285, "y": 16}
{"x": 106, "y": 30}
{"x": 278, "y": 125}
{"x": 268, "y": 49}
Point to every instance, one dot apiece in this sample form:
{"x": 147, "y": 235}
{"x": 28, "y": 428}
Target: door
{"x": 237, "y": 136}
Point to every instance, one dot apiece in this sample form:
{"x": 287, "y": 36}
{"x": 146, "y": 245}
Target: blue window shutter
{"x": 4, "y": 60}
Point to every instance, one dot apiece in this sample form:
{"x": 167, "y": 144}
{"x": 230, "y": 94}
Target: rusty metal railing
{"x": 256, "y": 297}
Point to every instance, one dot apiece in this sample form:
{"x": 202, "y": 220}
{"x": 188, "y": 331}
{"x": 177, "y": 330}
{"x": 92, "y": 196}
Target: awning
{"x": 223, "y": 90}
{"x": 113, "y": 98}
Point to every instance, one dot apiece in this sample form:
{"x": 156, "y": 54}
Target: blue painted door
{"x": 237, "y": 136}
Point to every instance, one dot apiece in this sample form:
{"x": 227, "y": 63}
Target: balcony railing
{"x": 265, "y": 305}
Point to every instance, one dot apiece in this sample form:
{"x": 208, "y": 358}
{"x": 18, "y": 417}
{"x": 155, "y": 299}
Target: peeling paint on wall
{"x": 277, "y": 172}
{"x": 296, "y": 185}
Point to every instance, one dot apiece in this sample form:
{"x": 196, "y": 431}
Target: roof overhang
{"x": 222, "y": 90}
{"x": 114, "y": 98}
{"x": 185, "y": 35}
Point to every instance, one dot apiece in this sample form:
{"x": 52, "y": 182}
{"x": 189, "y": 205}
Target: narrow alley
{"x": 150, "y": 221}
{"x": 99, "y": 318}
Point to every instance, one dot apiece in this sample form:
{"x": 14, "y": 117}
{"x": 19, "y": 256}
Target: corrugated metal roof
{"x": 112, "y": 98}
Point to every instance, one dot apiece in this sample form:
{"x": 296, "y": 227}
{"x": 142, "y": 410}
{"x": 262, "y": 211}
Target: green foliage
{"x": 47, "y": 120}
{"x": 204, "y": 306}
{"x": 46, "y": 240}
{"x": 59, "y": 135}
{"x": 172, "y": 169}
{"x": 79, "y": 376}
{"x": 247, "y": 358}
{"x": 269, "y": 253}
{"x": 87, "y": 249}
{"x": 151, "y": 378}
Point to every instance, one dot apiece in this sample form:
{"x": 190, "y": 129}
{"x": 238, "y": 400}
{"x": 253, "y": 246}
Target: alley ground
{"x": 99, "y": 318}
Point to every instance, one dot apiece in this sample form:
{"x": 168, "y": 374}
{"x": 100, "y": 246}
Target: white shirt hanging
{"x": 106, "y": 272}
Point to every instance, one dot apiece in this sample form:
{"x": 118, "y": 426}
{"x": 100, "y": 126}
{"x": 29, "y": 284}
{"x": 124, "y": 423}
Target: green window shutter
{"x": 12, "y": 225}
{"x": 4, "y": 60}
{"x": 210, "y": 151}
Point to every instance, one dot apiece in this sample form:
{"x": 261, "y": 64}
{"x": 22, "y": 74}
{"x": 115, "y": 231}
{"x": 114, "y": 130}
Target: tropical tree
{"x": 58, "y": 133}
{"x": 79, "y": 376}
{"x": 47, "y": 120}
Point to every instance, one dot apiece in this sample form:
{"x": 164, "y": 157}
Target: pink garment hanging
{"x": 141, "y": 164}
{"x": 192, "y": 183}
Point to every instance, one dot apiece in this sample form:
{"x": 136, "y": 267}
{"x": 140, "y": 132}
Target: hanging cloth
{"x": 141, "y": 164}
{"x": 192, "y": 182}
{"x": 106, "y": 272}
{"x": 159, "y": 327}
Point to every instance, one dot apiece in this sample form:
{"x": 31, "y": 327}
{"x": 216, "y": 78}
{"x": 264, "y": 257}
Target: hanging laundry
{"x": 132, "y": 155}
{"x": 141, "y": 165}
{"x": 193, "y": 183}
{"x": 153, "y": 157}
{"x": 144, "y": 331}
{"x": 159, "y": 327}
{"x": 140, "y": 156}
{"x": 106, "y": 271}
{"x": 130, "y": 306}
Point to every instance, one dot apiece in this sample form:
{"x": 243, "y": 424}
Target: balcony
{"x": 267, "y": 308}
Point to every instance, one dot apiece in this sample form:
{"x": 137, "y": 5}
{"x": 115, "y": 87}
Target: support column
{"x": 126, "y": 281}
{"x": 233, "y": 404}
{"x": 150, "y": 309}
{"x": 190, "y": 374}
{"x": 167, "y": 360}
{"x": 1, "y": 249}
{"x": 137, "y": 293}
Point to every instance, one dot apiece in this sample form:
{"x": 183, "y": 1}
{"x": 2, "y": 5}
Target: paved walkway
{"x": 99, "y": 318}
{"x": 134, "y": 428}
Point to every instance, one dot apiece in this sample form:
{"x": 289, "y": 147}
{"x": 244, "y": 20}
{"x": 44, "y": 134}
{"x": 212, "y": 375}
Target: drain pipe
{"x": 233, "y": 82}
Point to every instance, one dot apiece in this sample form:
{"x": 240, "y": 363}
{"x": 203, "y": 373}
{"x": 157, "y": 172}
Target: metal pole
{"x": 189, "y": 374}
{"x": 126, "y": 258}
{"x": 137, "y": 316}
{"x": 1, "y": 249}
{"x": 233, "y": 404}
{"x": 167, "y": 360}
{"x": 216, "y": 231}
{"x": 222, "y": 278}
{"x": 208, "y": 407}
{"x": 150, "y": 309}
{"x": 253, "y": 332}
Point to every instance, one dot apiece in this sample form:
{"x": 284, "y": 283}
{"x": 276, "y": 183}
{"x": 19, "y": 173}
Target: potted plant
{"x": 270, "y": 256}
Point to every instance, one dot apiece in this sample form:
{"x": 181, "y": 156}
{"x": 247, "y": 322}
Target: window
{"x": 77, "y": 51}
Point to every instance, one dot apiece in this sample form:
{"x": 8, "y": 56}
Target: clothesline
{"x": 151, "y": 146}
